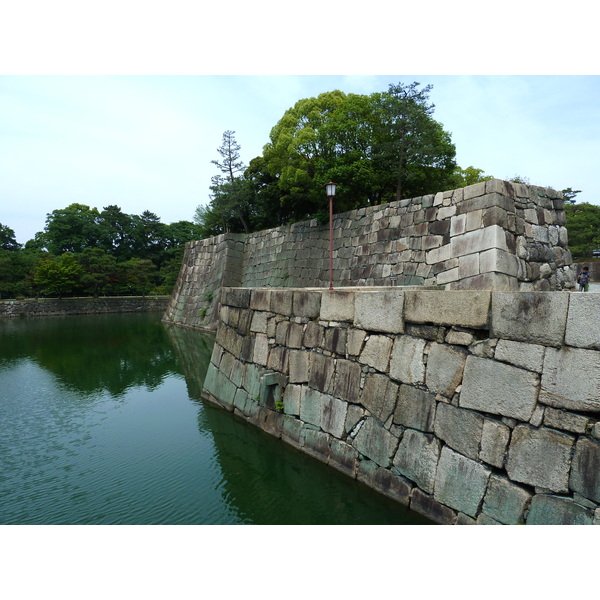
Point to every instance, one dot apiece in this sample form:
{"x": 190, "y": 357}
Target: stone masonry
{"x": 469, "y": 407}
{"x": 493, "y": 235}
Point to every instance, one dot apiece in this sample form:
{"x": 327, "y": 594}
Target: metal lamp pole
{"x": 331, "y": 193}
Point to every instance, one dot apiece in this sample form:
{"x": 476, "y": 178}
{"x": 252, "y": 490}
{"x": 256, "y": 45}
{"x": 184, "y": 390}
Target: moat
{"x": 101, "y": 422}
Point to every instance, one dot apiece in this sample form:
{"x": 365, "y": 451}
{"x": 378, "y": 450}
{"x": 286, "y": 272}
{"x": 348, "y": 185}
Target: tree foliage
{"x": 583, "y": 228}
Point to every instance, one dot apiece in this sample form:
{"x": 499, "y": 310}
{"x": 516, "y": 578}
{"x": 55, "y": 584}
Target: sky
{"x": 147, "y": 142}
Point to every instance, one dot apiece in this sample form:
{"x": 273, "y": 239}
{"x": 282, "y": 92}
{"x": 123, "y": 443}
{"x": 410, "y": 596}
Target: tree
{"x": 7, "y": 239}
{"x": 58, "y": 277}
{"x": 116, "y": 232}
{"x": 415, "y": 148}
{"x": 469, "y": 176}
{"x": 72, "y": 229}
{"x": 230, "y": 196}
{"x": 583, "y": 228}
{"x": 99, "y": 270}
{"x": 569, "y": 195}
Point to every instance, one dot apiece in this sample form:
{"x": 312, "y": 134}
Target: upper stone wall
{"x": 493, "y": 235}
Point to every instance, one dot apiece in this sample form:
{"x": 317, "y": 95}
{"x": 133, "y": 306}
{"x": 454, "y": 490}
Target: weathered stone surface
{"x": 555, "y": 510}
{"x": 376, "y": 352}
{"x": 260, "y": 299}
{"x": 461, "y": 429}
{"x": 415, "y": 408}
{"x": 392, "y": 485}
{"x": 459, "y": 308}
{"x": 379, "y": 311}
{"x": 333, "y": 415}
{"x": 431, "y": 509}
{"x": 346, "y": 383}
{"x": 313, "y": 335}
{"x": 417, "y": 458}
{"x": 585, "y": 474}
{"x": 379, "y": 396}
{"x": 567, "y": 421}
{"x": 343, "y": 457}
{"x": 337, "y": 305}
{"x": 298, "y": 362}
{"x": 583, "y": 328}
{"x": 520, "y": 354}
{"x": 335, "y": 340}
{"x": 354, "y": 341}
{"x": 494, "y": 441}
{"x": 460, "y": 482}
{"x": 445, "y": 367}
{"x": 499, "y": 389}
{"x": 292, "y": 399}
{"x": 406, "y": 362}
{"x": 505, "y": 501}
{"x": 375, "y": 442}
{"x": 311, "y": 406}
{"x": 306, "y": 304}
{"x": 478, "y": 241}
{"x": 316, "y": 444}
{"x": 321, "y": 371}
{"x": 533, "y": 317}
{"x": 571, "y": 379}
{"x": 540, "y": 458}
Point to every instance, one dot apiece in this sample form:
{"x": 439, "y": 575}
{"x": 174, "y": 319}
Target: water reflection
{"x": 92, "y": 354}
{"x": 99, "y": 426}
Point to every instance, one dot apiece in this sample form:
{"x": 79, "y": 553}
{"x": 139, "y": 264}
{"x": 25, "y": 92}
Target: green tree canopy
{"x": 583, "y": 227}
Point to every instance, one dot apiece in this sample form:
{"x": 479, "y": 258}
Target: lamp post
{"x": 331, "y": 193}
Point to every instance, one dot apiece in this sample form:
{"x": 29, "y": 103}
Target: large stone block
{"x": 460, "y": 482}
{"x": 445, "y": 367}
{"x": 379, "y": 311}
{"x": 337, "y": 305}
{"x": 505, "y": 501}
{"x": 571, "y": 379}
{"x": 554, "y": 510}
{"x": 459, "y": 308}
{"x": 333, "y": 415}
{"x": 306, "y": 304}
{"x": 533, "y": 317}
{"x": 321, "y": 372}
{"x": 583, "y": 326}
{"x": 379, "y": 396}
{"x": 500, "y": 389}
{"x": 417, "y": 458}
{"x": 479, "y": 240}
{"x": 376, "y": 442}
{"x": 376, "y": 352}
{"x": 585, "y": 473}
{"x": 461, "y": 429}
{"x": 494, "y": 442}
{"x": 540, "y": 458}
{"x": 415, "y": 408}
{"x": 406, "y": 362}
{"x": 346, "y": 383}
{"x": 520, "y": 354}
{"x": 298, "y": 361}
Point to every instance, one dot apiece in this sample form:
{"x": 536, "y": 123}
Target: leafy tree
{"x": 99, "y": 271}
{"x": 116, "y": 232}
{"x": 7, "y": 239}
{"x": 414, "y": 147}
{"x": 72, "y": 229}
{"x": 583, "y": 228}
{"x": 140, "y": 276}
{"x": 148, "y": 235}
{"x": 58, "y": 276}
{"x": 569, "y": 195}
{"x": 469, "y": 176}
{"x": 231, "y": 196}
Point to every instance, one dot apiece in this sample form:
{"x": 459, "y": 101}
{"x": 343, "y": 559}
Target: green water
{"x": 101, "y": 422}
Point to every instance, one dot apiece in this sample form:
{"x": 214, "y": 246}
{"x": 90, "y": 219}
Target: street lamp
{"x": 331, "y": 193}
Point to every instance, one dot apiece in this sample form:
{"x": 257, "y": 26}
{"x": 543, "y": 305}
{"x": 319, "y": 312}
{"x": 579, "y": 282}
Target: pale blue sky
{"x": 146, "y": 142}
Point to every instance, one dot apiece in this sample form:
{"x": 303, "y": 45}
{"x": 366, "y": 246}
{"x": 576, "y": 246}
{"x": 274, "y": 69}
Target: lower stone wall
{"x": 48, "y": 307}
{"x": 469, "y": 407}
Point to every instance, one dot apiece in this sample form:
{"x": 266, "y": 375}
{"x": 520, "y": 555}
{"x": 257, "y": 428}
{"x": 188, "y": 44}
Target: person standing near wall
{"x": 583, "y": 279}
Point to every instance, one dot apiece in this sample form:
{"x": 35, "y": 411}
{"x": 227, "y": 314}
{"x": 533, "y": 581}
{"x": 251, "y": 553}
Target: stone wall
{"x": 467, "y": 406}
{"x": 493, "y": 235}
{"x": 47, "y": 307}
